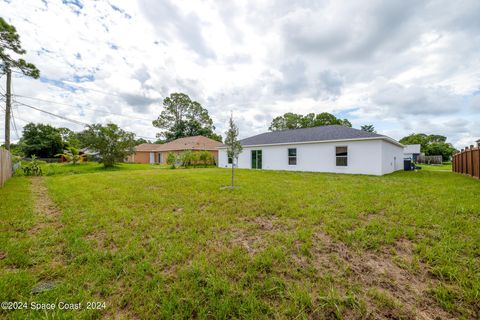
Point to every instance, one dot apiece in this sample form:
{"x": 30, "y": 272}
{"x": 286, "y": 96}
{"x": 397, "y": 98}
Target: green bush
{"x": 206, "y": 158}
{"x": 33, "y": 168}
{"x": 186, "y": 159}
{"x": 72, "y": 155}
{"x": 194, "y": 158}
{"x": 171, "y": 160}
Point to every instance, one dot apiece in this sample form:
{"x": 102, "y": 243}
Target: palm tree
{"x": 72, "y": 155}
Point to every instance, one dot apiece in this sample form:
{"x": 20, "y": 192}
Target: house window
{"x": 292, "y": 156}
{"x": 342, "y": 156}
{"x": 230, "y": 160}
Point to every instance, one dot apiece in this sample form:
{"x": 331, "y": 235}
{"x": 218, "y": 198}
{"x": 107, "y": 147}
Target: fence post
{"x": 459, "y": 164}
{"x": 469, "y": 159}
{"x": 472, "y": 173}
{"x": 465, "y": 168}
{"x": 456, "y": 162}
{"x": 461, "y": 160}
{"x": 5, "y": 166}
{"x": 467, "y": 163}
{"x": 478, "y": 162}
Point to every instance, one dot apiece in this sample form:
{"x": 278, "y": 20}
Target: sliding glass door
{"x": 256, "y": 159}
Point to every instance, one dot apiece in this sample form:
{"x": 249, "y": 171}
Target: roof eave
{"x": 185, "y": 149}
{"x": 324, "y": 141}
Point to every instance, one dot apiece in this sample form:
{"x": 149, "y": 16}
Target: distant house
{"x": 411, "y": 151}
{"x": 157, "y": 153}
{"x": 334, "y": 148}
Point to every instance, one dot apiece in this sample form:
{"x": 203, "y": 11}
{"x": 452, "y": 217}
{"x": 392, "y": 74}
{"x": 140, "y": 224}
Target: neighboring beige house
{"x": 157, "y": 153}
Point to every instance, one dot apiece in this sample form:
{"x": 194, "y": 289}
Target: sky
{"x": 403, "y": 66}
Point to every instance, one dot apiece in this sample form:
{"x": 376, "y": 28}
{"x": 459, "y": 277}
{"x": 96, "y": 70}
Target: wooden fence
{"x": 5, "y": 166}
{"x": 429, "y": 159}
{"x": 467, "y": 162}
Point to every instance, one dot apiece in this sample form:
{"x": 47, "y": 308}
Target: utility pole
{"x": 8, "y": 109}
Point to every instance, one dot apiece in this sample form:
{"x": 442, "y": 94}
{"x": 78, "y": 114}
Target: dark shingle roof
{"x": 323, "y": 133}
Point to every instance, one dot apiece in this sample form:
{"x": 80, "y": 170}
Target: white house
{"x": 333, "y": 148}
{"x": 411, "y": 151}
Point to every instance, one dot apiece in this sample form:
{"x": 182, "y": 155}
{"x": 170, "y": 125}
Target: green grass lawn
{"x": 439, "y": 167}
{"x": 50, "y": 169}
{"x": 172, "y": 244}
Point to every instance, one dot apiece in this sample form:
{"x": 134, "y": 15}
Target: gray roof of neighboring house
{"x": 322, "y": 133}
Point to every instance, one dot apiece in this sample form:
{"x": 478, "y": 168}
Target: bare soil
{"x": 45, "y": 208}
{"x": 408, "y": 291}
{"x": 377, "y": 271}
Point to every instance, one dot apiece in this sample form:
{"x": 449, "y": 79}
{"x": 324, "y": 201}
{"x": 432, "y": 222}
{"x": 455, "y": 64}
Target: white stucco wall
{"x": 392, "y": 157}
{"x": 412, "y": 148}
{"x": 374, "y": 157}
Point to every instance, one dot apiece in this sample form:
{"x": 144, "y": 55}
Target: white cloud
{"x": 403, "y": 66}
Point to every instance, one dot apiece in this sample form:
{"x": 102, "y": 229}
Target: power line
{"x": 13, "y": 117}
{"x": 52, "y": 114}
{"x": 92, "y": 109}
{"x": 70, "y": 84}
{"x": 64, "y": 118}
{"x": 69, "y": 105}
{"x": 15, "y": 125}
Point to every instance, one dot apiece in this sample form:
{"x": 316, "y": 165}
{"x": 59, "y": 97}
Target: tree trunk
{"x": 232, "y": 173}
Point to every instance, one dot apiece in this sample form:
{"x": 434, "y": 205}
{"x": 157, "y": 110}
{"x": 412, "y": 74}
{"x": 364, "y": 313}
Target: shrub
{"x": 171, "y": 160}
{"x": 33, "y": 168}
{"x": 191, "y": 158}
{"x": 186, "y": 158}
{"x": 206, "y": 158}
{"x": 195, "y": 158}
{"x": 72, "y": 156}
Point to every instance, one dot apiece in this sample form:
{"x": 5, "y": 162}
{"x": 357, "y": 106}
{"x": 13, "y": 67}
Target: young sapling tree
{"x": 234, "y": 146}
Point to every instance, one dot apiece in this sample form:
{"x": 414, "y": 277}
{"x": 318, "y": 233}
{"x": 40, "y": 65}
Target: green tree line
{"x": 431, "y": 145}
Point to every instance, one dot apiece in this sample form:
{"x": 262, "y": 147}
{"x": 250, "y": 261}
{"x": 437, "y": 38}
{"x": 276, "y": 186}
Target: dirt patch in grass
{"x": 254, "y": 237}
{"x": 404, "y": 247}
{"x": 47, "y": 230}
{"x": 270, "y": 223}
{"x": 48, "y": 216}
{"x": 121, "y": 314}
{"x": 252, "y": 243}
{"x": 102, "y": 240}
{"x": 47, "y": 210}
{"x": 372, "y": 215}
{"x": 263, "y": 223}
{"x": 397, "y": 293}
